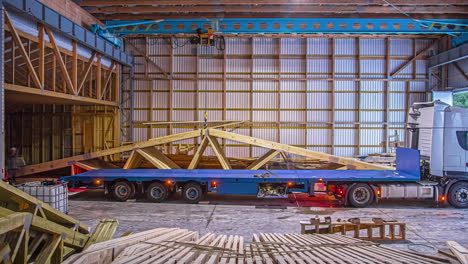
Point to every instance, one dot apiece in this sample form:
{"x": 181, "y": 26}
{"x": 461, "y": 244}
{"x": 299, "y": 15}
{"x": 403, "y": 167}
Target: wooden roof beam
{"x": 219, "y": 153}
{"x": 62, "y": 163}
{"x": 310, "y": 9}
{"x": 268, "y": 2}
{"x": 198, "y": 154}
{"x": 157, "y": 158}
{"x": 349, "y": 162}
{"x": 257, "y": 164}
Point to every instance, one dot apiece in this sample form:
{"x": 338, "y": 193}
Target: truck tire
{"x": 157, "y": 192}
{"x": 192, "y": 192}
{"x": 458, "y": 195}
{"x": 360, "y": 195}
{"x": 122, "y": 191}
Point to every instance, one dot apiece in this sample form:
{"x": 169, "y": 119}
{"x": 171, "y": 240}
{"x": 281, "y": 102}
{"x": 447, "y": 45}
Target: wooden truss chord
{"x": 219, "y": 152}
{"x": 157, "y": 158}
{"x": 257, "y": 164}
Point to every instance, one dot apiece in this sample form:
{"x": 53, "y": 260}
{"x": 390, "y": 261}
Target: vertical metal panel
{"x": 294, "y": 46}
{"x": 2, "y": 92}
{"x": 300, "y": 100}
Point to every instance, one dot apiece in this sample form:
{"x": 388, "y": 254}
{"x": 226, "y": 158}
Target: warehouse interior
{"x": 174, "y": 122}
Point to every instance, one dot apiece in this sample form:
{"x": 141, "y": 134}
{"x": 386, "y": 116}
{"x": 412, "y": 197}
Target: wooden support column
{"x": 278, "y": 92}
{"x": 263, "y": 159}
{"x": 224, "y": 99}
{"x": 157, "y": 158}
{"x": 387, "y": 95}
{"x": 63, "y": 67}
{"x": 251, "y": 93}
{"x": 306, "y": 94}
{"x": 41, "y": 49}
{"x": 17, "y": 39}
{"x": 332, "y": 96}
{"x": 86, "y": 72}
{"x": 198, "y": 154}
{"x": 74, "y": 69}
{"x": 358, "y": 96}
{"x": 117, "y": 83}
{"x": 98, "y": 76}
{"x": 171, "y": 94}
{"x": 219, "y": 153}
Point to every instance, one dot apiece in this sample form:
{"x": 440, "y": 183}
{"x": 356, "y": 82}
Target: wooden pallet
{"x": 173, "y": 245}
{"x": 377, "y": 230}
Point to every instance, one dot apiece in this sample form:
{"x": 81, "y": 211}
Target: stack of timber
{"x": 151, "y": 152}
{"x": 31, "y": 231}
{"x": 173, "y": 245}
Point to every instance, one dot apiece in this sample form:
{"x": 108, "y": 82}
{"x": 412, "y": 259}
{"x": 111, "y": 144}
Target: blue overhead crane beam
{"x": 292, "y": 25}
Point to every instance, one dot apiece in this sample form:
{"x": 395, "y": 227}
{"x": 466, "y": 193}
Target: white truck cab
{"x": 440, "y": 132}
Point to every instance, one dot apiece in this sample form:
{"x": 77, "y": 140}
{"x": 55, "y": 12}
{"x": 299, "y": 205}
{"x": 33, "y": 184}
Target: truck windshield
{"x": 462, "y": 137}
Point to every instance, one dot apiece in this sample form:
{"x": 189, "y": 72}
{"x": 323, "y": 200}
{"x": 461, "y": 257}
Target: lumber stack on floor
{"x": 173, "y": 245}
{"x": 31, "y": 231}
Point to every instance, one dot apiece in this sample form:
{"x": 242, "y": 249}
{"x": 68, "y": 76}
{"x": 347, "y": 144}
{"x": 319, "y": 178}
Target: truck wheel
{"x": 192, "y": 192}
{"x": 157, "y": 192}
{"x": 122, "y": 191}
{"x": 361, "y": 195}
{"x": 458, "y": 195}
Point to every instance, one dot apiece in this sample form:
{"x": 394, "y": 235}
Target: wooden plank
{"x": 46, "y": 254}
{"x": 74, "y": 68}
{"x": 52, "y": 97}
{"x": 13, "y": 221}
{"x": 257, "y": 164}
{"x": 62, "y": 163}
{"x": 41, "y": 48}
{"x": 98, "y": 76}
{"x": 106, "y": 82}
{"x": 133, "y": 161}
{"x": 61, "y": 63}
{"x": 349, "y": 162}
{"x": 308, "y": 9}
{"x": 414, "y": 58}
{"x": 24, "y": 54}
{"x": 10, "y": 194}
{"x": 219, "y": 152}
{"x": 157, "y": 158}
{"x": 86, "y": 72}
{"x": 198, "y": 154}
{"x": 148, "y": 59}
{"x": 460, "y": 252}
{"x": 264, "y": 2}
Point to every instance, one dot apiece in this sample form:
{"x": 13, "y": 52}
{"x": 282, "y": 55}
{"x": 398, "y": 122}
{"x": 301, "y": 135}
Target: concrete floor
{"x": 244, "y": 215}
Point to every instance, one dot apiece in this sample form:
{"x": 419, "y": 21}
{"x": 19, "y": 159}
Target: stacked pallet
{"x": 173, "y": 245}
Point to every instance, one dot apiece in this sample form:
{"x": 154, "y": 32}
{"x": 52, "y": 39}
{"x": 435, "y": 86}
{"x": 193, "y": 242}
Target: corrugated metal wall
{"x": 335, "y": 95}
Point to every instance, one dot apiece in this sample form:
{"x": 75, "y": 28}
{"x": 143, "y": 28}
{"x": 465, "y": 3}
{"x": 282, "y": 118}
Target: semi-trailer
{"x": 435, "y": 166}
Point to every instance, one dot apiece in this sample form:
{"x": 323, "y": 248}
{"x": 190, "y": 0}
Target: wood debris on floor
{"x": 174, "y": 245}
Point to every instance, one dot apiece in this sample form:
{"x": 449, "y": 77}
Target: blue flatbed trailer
{"x": 263, "y": 183}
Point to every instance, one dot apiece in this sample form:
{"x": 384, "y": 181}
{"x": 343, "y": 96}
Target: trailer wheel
{"x": 157, "y": 192}
{"x": 122, "y": 191}
{"x": 192, "y": 192}
{"x": 361, "y": 195}
{"x": 458, "y": 195}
